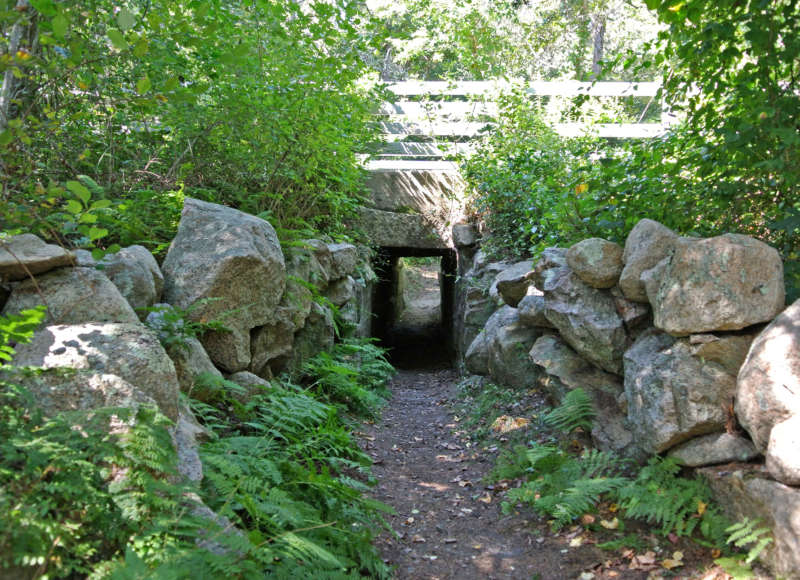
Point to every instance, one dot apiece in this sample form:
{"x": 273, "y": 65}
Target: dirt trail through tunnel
{"x": 448, "y": 522}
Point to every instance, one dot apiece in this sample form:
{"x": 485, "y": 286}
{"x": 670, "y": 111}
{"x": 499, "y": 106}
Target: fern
{"x": 576, "y": 411}
{"x": 565, "y": 487}
{"x": 744, "y": 533}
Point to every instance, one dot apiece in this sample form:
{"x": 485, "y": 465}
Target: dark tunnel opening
{"x": 416, "y": 326}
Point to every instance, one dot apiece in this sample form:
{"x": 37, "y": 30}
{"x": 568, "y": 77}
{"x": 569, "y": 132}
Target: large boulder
{"x": 748, "y": 494}
{"x": 648, "y": 243}
{"x": 724, "y": 283}
{"x": 596, "y": 261}
{"x": 565, "y": 370}
{"x": 25, "y": 255}
{"x": 226, "y": 265}
{"x": 727, "y": 350}
{"x": 768, "y": 387}
{"x": 73, "y": 296}
{"x": 508, "y": 346}
{"x": 476, "y": 358}
{"x": 135, "y": 272}
{"x": 673, "y": 395}
{"x": 341, "y": 291}
{"x": 511, "y": 285}
{"x": 118, "y": 358}
{"x": 586, "y": 318}
{"x": 713, "y": 449}
{"x": 783, "y": 451}
{"x": 465, "y": 235}
{"x": 474, "y": 304}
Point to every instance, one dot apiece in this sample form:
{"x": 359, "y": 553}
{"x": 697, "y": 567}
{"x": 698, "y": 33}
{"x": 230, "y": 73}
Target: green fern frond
{"x": 575, "y": 411}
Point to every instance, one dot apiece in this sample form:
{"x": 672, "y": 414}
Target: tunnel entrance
{"x": 413, "y": 306}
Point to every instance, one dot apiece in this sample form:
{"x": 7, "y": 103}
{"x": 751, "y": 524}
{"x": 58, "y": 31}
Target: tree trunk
{"x": 12, "y": 85}
{"x": 598, "y": 40}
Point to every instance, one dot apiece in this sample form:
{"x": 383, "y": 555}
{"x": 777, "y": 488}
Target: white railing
{"x": 434, "y": 120}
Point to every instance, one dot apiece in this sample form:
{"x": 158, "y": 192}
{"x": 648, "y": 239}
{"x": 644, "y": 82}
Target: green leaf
{"x": 141, "y": 47}
{"x": 79, "y": 190}
{"x": 88, "y": 218}
{"x": 126, "y": 19}
{"x": 97, "y": 233}
{"x": 6, "y": 137}
{"x": 101, "y": 204}
{"x": 143, "y": 85}
{"x": 60, "y": 26}
{"x": 171, "y": 84}
{"x": 74, "y": 206}
{"x": 117, "y": 39}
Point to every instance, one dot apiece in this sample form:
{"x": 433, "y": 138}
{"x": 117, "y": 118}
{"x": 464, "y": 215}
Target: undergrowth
{"x": 282, "y": 494}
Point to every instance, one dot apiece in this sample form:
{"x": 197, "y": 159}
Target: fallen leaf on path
{"x": 576, "y": 543}
{"x": 417, "y": 539}
{"x": 610, "y": 524}
{"x": 485, "y": 498}
{"x": 646, "y": 561}
{"x": 506, "y": 423}
{"x": 587, "y": 519}
{"x": 675, "y": 562}
{"x": 450, "y": 540}
{"x": 477, "y": 546}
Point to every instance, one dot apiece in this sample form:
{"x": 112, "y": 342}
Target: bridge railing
{"x": 434, "y": 120}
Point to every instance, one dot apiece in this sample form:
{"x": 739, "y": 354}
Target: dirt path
{"x": 449, "y": 525}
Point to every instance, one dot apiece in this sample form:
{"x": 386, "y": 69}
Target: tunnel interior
{"x": 402, "y": 321}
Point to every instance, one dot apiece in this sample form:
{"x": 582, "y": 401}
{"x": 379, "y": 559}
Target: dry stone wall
{"x": 94, "y": 349}
{"x": 684, "y": 345}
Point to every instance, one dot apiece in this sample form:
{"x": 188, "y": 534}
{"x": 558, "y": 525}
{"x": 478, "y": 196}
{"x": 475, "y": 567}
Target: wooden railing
{"x": 434, "y": 120}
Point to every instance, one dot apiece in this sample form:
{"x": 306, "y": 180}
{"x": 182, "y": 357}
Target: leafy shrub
{"x": 575, "y": 411}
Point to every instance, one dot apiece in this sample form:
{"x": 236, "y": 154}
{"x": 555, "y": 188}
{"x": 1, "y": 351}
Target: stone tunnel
{"x": 413, "y": 207}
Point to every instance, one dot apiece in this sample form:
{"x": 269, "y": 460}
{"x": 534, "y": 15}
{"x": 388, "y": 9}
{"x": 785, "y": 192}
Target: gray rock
{"x": 272, "y": 342}
{"x": 476, "y": 358}
{"x": 321, "y": 262}
{"x": 713, "y": 449}
{"x": 316, "y": 336}
{"x": 586, "y": 318}
{"x": 672, "y": 395}
{"x": 135, "y": 272}
{"x": 648, "y": 243}
{"x": 724, "y": 283}
{"x": 26, "y": 254}
{"x": 191, "y": 362}
{"x": 84, "y": 259}
{"x": 234, "y": 258}
{"x": 768, "y": 387}
{"x": 341, "y": 291}
{"x": 727, "y": 350}
{"x": 531, "y": 311}
{"x": 596, "y": 261}
{"x": 465, "y": 235}
{"x": 130, "y": 352}
{"x": 357, "y": 312}
{"x": 511, "y": 285}
{"x": 185, "y": 434}
{"x": 636, "y": 317}
{"x": 73, "y": 296}
{"x": 405, "y": 230}
{"x": 783, "y": 451}
{"x": 549, "y": 263}
{"x": 252, "y": 385}
{"x": 344, "y": 259}
{"x": 508, "y": 346}
{"x": 749, "y": 494}
{"x": 565, "y": 370}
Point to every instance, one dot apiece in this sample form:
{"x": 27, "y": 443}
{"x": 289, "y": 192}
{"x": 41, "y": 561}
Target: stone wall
{"x": 223, "y": 265}
{"x": 684, "y": 345}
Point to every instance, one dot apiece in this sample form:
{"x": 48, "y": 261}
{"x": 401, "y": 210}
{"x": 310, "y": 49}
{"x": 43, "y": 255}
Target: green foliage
{"x": 482, "y": 403}
{"x": 71, "y": 495}
{"x": 564, "y": 487}
{"x": 260, "y": 106}
{"x": 742, "y": 534}
{"x": 175, "y": 326}
{"x": 575, "y": 411}
{"x": 352, "y": 376}
{"x": 283, "y": 476}
{"x": 16, "y": 328}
